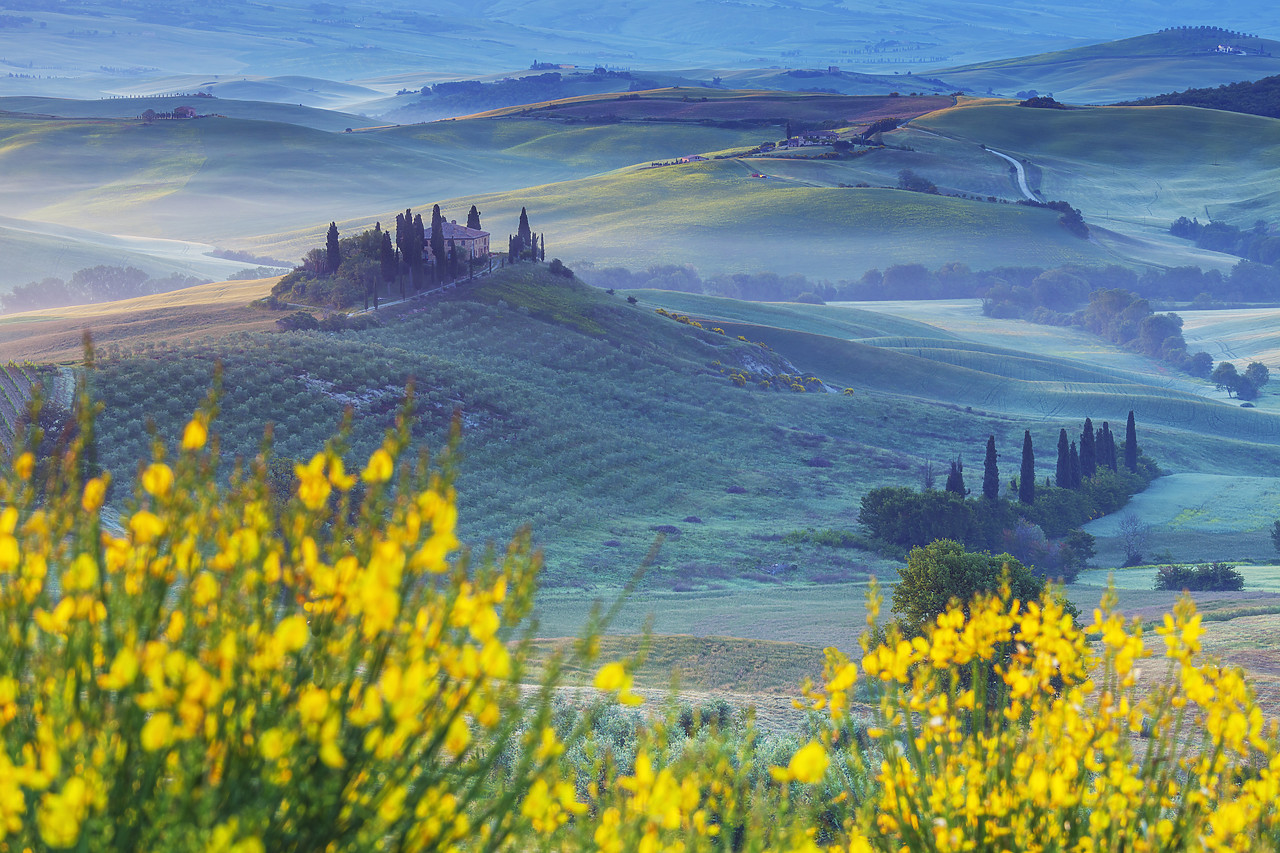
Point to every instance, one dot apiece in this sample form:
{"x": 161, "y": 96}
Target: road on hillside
{"x": 1022, "y": 174}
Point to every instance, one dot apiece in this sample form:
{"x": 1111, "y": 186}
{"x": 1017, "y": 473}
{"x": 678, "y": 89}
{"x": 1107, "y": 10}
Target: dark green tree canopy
{"x": 473, "y": 218}
{"x": 1027, "y": 477}
{"x": 333, "y": 255}
{"x": 990, "y": 473}
{"x": 1131, "y": 444}
{"x": 944, "y": 570}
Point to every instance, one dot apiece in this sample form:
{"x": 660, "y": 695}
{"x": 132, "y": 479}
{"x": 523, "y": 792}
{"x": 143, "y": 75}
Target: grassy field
{"x": 682, "y": 104}
{"x": 717, "y": 217}
{"x": 57, "y": 335}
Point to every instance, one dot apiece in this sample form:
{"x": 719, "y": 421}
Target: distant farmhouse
{"x": 470, "y": 242}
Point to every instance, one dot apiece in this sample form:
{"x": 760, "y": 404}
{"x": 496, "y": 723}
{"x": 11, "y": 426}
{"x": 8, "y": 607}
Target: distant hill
{"x": 1128, "y": 68}
{"x": 1259, "y": 98}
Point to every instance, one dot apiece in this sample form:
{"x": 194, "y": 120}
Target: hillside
{"x": 131, "y": 107}
{"x": 92, "y": 48}
{"x": 1128, "y": 68}
{"x": 1133, "y": 169}
{"x": 1259, "y": 98}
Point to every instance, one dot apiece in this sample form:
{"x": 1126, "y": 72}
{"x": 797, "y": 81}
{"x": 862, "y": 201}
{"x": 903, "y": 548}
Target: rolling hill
{"x": 1126, "y": 68}
{"x": 1134, "y": 169}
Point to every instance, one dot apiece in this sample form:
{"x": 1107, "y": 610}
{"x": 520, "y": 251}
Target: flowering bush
{"x": 226, "y": 671}
{"x": 223, "y": 674}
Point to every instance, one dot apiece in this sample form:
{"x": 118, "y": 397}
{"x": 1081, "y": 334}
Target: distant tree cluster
{"x": 909, "y": 180}
{"x": 94, "y": 284}
{"x": 1246, "y": 385}
{"x": 1259, "y": 243}
{"x": 1213, "y": 577}
{"x": 371, "y": 266}
{"x": 1070, "y": 219}
{"x": 1259, "y": 98}
{"x": 1094, "y": 475}
{"x": 1043, "y": 102}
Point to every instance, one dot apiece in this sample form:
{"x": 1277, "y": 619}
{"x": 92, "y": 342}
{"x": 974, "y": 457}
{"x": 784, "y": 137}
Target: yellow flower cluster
{"x": 241, "y": 671}
{"x": 236, "y": 670}
{"x": 1013, "y": 729}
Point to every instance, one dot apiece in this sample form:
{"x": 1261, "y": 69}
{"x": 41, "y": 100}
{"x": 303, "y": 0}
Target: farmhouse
{"x": 470, "y": 242}
{"x": 693, "y": 158}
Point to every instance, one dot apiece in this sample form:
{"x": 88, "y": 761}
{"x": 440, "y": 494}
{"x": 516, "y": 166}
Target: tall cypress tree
{"x": 990, "y": 474}
{"x": 533, "y": 249}
{"x": 403, "y": 221}
{"x": 1107, "y": 452}
{"x": 1088, "y": 453}
{"x": 1131, "y": 445}
{"x": 955, "y": 479}
{"x": 333, "y": 255}
{"x": 523, "y": 232}
{"x": 387, "y": 258}
{"x": 419, "y": 264}
{"x": 438, "y": 250}
{"x": 1075, "y": 466}
{"x": 1062, "y": 474}
{"x": 1027, "y": 479}
{"x": 473, "y": 218}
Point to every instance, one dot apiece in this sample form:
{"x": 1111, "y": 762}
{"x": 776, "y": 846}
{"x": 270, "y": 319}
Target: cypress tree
{"x": 1108, "y": 450}
{"x": 473, "y": 218}
{"x": 1062, "y": 474}
{"x": 419, "y": 242}
{"x": 1131, "y": 445}
{"x": 990, "y": 474}
{"x": 387, "y": 258}
{"x": 1027, "y": 479}
{"x": 533, "y": 249}
{"x": 955, "y": 479}
{"x": 1088, "y": 452}
{"x": 1075, "y": 466}
{"x": 438, "y": 251}
{"x": 523, "y": 232}
{"x": 333, "y": 255}
{"x": 542, "y": 247}
{"x": 453, "y": 260}
{"x": 403, "y": 221}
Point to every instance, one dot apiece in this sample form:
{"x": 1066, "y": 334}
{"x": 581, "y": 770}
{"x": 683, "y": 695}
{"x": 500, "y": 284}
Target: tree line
{"x": 93, "y": 284}
{"x": 1257, "y": 244}
{"x": 1025, "y": 288}
{"x": 1038, "y": 522}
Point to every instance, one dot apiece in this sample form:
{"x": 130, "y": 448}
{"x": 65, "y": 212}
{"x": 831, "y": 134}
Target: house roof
{"x": 454, "y": 231}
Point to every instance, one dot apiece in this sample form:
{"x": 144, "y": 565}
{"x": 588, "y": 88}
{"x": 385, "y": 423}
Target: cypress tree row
{"x": 1088, "y": 452}
{"x": 990, "y": 474}
{"x": 1027, "y": 479}
{"x": 1062, "y": 474}
{"x": 1131, "y": 445}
